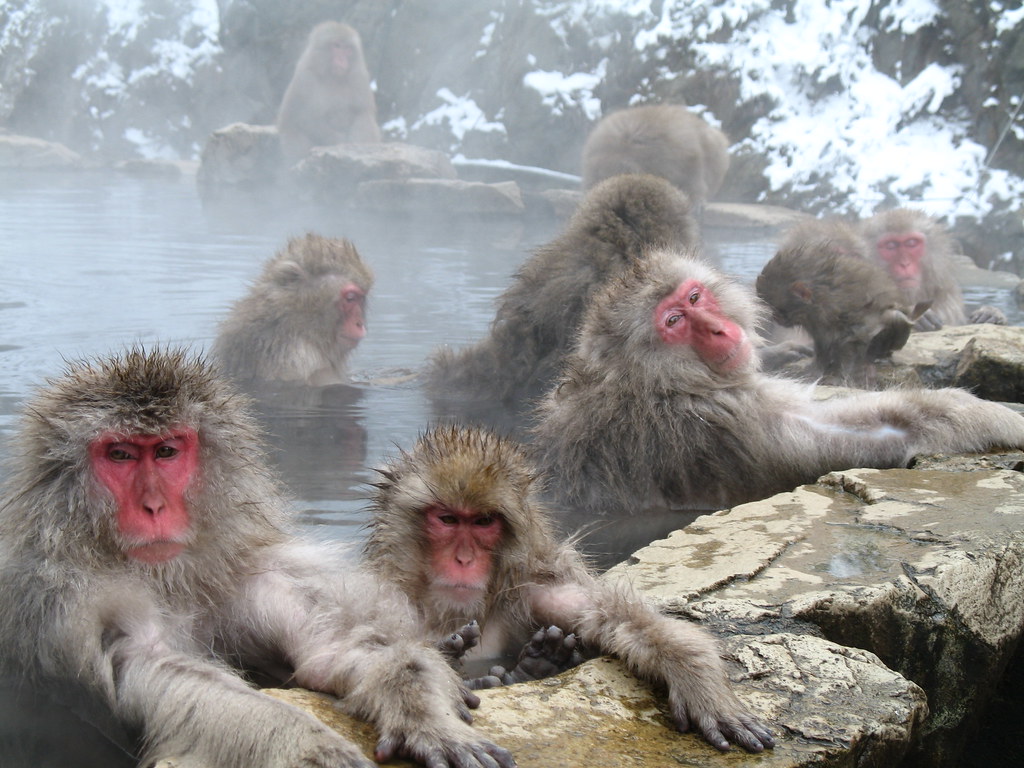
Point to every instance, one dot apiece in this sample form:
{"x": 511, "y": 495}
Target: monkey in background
{"x": 329, "y": 100}
{"x": 538, "y": 314}
{"x": 662, "y": 404}
{"x": 145, "y": 546}
{"x": 457, "y": 526}
{"x": 851, "y": 308}
{"x": 302, "y": 317}
{"x": 666, "y": 140}
{"x": 915, "y": 249}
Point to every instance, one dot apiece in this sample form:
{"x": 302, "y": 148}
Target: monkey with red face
{"x": 916, "y": 251}
{"x": 456, "y": 524}
{"x": 662, "y": 405}
{"x": 145, "y": 546}
{"x": 301, "y": 319}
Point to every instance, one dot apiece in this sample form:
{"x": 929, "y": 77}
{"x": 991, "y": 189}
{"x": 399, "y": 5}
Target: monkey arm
{"x": 889, "y": 428}
{"x": 613, "y": 619}
{"x": 191, "y": 709}
{"x": 355, "y": 638}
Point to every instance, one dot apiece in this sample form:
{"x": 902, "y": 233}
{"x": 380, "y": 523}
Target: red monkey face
{"x": 351, "y": 306}
{"x": 341, "y": 57}
{"x": 148, "y": 476}
{"x": 691, "y": 316}
{"x": 902, "y": 253}
{"x": 461, "y": 546}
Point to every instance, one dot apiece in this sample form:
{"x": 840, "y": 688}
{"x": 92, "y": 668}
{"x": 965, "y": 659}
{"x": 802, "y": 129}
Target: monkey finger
{"x": 469, "y": 698}
{"x": 487, "y": 681}
{"x": 489, "y": 754}
{"x": 709, "y": 729}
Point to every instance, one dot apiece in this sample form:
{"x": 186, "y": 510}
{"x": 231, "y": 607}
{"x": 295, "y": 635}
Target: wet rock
{"x": 987, "y": 359}
{"x": 239, "y": 161}
{"x": 332, "y": 174}
{"x": 829, "y": 706}
{"x": 750, "y": 216}
{"x": 26, "y": 152}
{"x": 448, "y": 195}
{"x": 921, "y": 567}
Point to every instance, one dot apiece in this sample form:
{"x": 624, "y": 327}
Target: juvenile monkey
{"x": 301, "y": 319}
{"x": 851, "y": 308}
{"x": 662, "y": 405}
{"x": 667, "y": 140}
{"x": 457, "y": 526}
{"x": 329, "y": 100}
{"x": 145, "y": 547}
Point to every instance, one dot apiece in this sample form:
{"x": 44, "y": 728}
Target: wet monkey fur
{"x": 457, "y": 526}
{"x": 145, "y": 547}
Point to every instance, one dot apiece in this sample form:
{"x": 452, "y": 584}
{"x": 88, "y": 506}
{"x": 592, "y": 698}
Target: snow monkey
{"x": 851, "y": 308}
{"x": 662, "y": 404}
{"x": 457, "y": 526}
{"x": 329, "y": 100}
{"x": 916, "y": 251}
{"x": 538, "y": 314}
{"x": 667, "y": 140}
{"x": 145, "y": 547}
{"x": 302, "y": 317}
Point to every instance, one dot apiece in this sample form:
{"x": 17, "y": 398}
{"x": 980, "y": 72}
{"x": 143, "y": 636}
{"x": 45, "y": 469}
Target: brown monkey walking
{"x": 539, "y": 312}
{"x": 302, "y": 317}
{"x": 144, "y": 546}
{"x": 851, "y": 308}
{"x": 328, "y": 100}
{"x": 667, "y": 140}
{"x": 916, "y": 251}
{"x": 457, "y": 527}
{"x": 662, "y": 404}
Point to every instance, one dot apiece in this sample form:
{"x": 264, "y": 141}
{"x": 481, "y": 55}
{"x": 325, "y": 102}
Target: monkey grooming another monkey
{"x": 851, "y": 308}
{"x": 302, "y": 317}
{"x": 915, "y": 249}
{"x": 662, "y": 405}
{"x": 538, "y": 314}
{"x": 667, "y": 140}
{"x": 457, "y": 526}
{"x": 145, "y": 547}
{"x": 329, "y": 100}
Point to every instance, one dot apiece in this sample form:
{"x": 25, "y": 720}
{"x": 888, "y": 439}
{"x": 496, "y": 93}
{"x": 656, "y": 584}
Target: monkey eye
{"x": 484, "y": 521}
{"x": 694, "y": 297}
{"x": 119, "y": 454}
{"x": 351, "y": 296}
{"x": 448, "y": 519}
{"x": 890, "y": 245}
{"x": 166, "y": 451}
{"x": 911, "y": 242}
{"x": 673, "y": 319}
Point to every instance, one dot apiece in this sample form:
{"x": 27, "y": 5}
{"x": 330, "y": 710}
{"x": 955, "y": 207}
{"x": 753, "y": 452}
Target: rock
{"x": 26, "y": 152}
{"x": 987, "y": 359}
{"x": 239, "y": 161}
{"x": 451, "y": 196}
{"x": 733, "y": 215}
{"x": 921, "y": 567}
{"x": 828, "y": 704}
{"x": 332, "y": 174}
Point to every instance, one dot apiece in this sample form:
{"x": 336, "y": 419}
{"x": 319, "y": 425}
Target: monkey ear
{"x": 288, "y": 273}
{"x": 801, "y": 290}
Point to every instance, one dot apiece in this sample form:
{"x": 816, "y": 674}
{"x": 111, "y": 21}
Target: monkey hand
{"x": 549, "y": 652}
{"x": 444, "y": 751}
{"x": 928, "y": 321}
{"x": 719, "y": 717}
{"x": 460, "y": 642}
{"x": 987, "y": 314}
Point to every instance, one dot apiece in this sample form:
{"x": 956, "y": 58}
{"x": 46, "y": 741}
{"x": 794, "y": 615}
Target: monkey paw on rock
{"x": 722, "y": 726}
{"x": 549, "y": 652}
